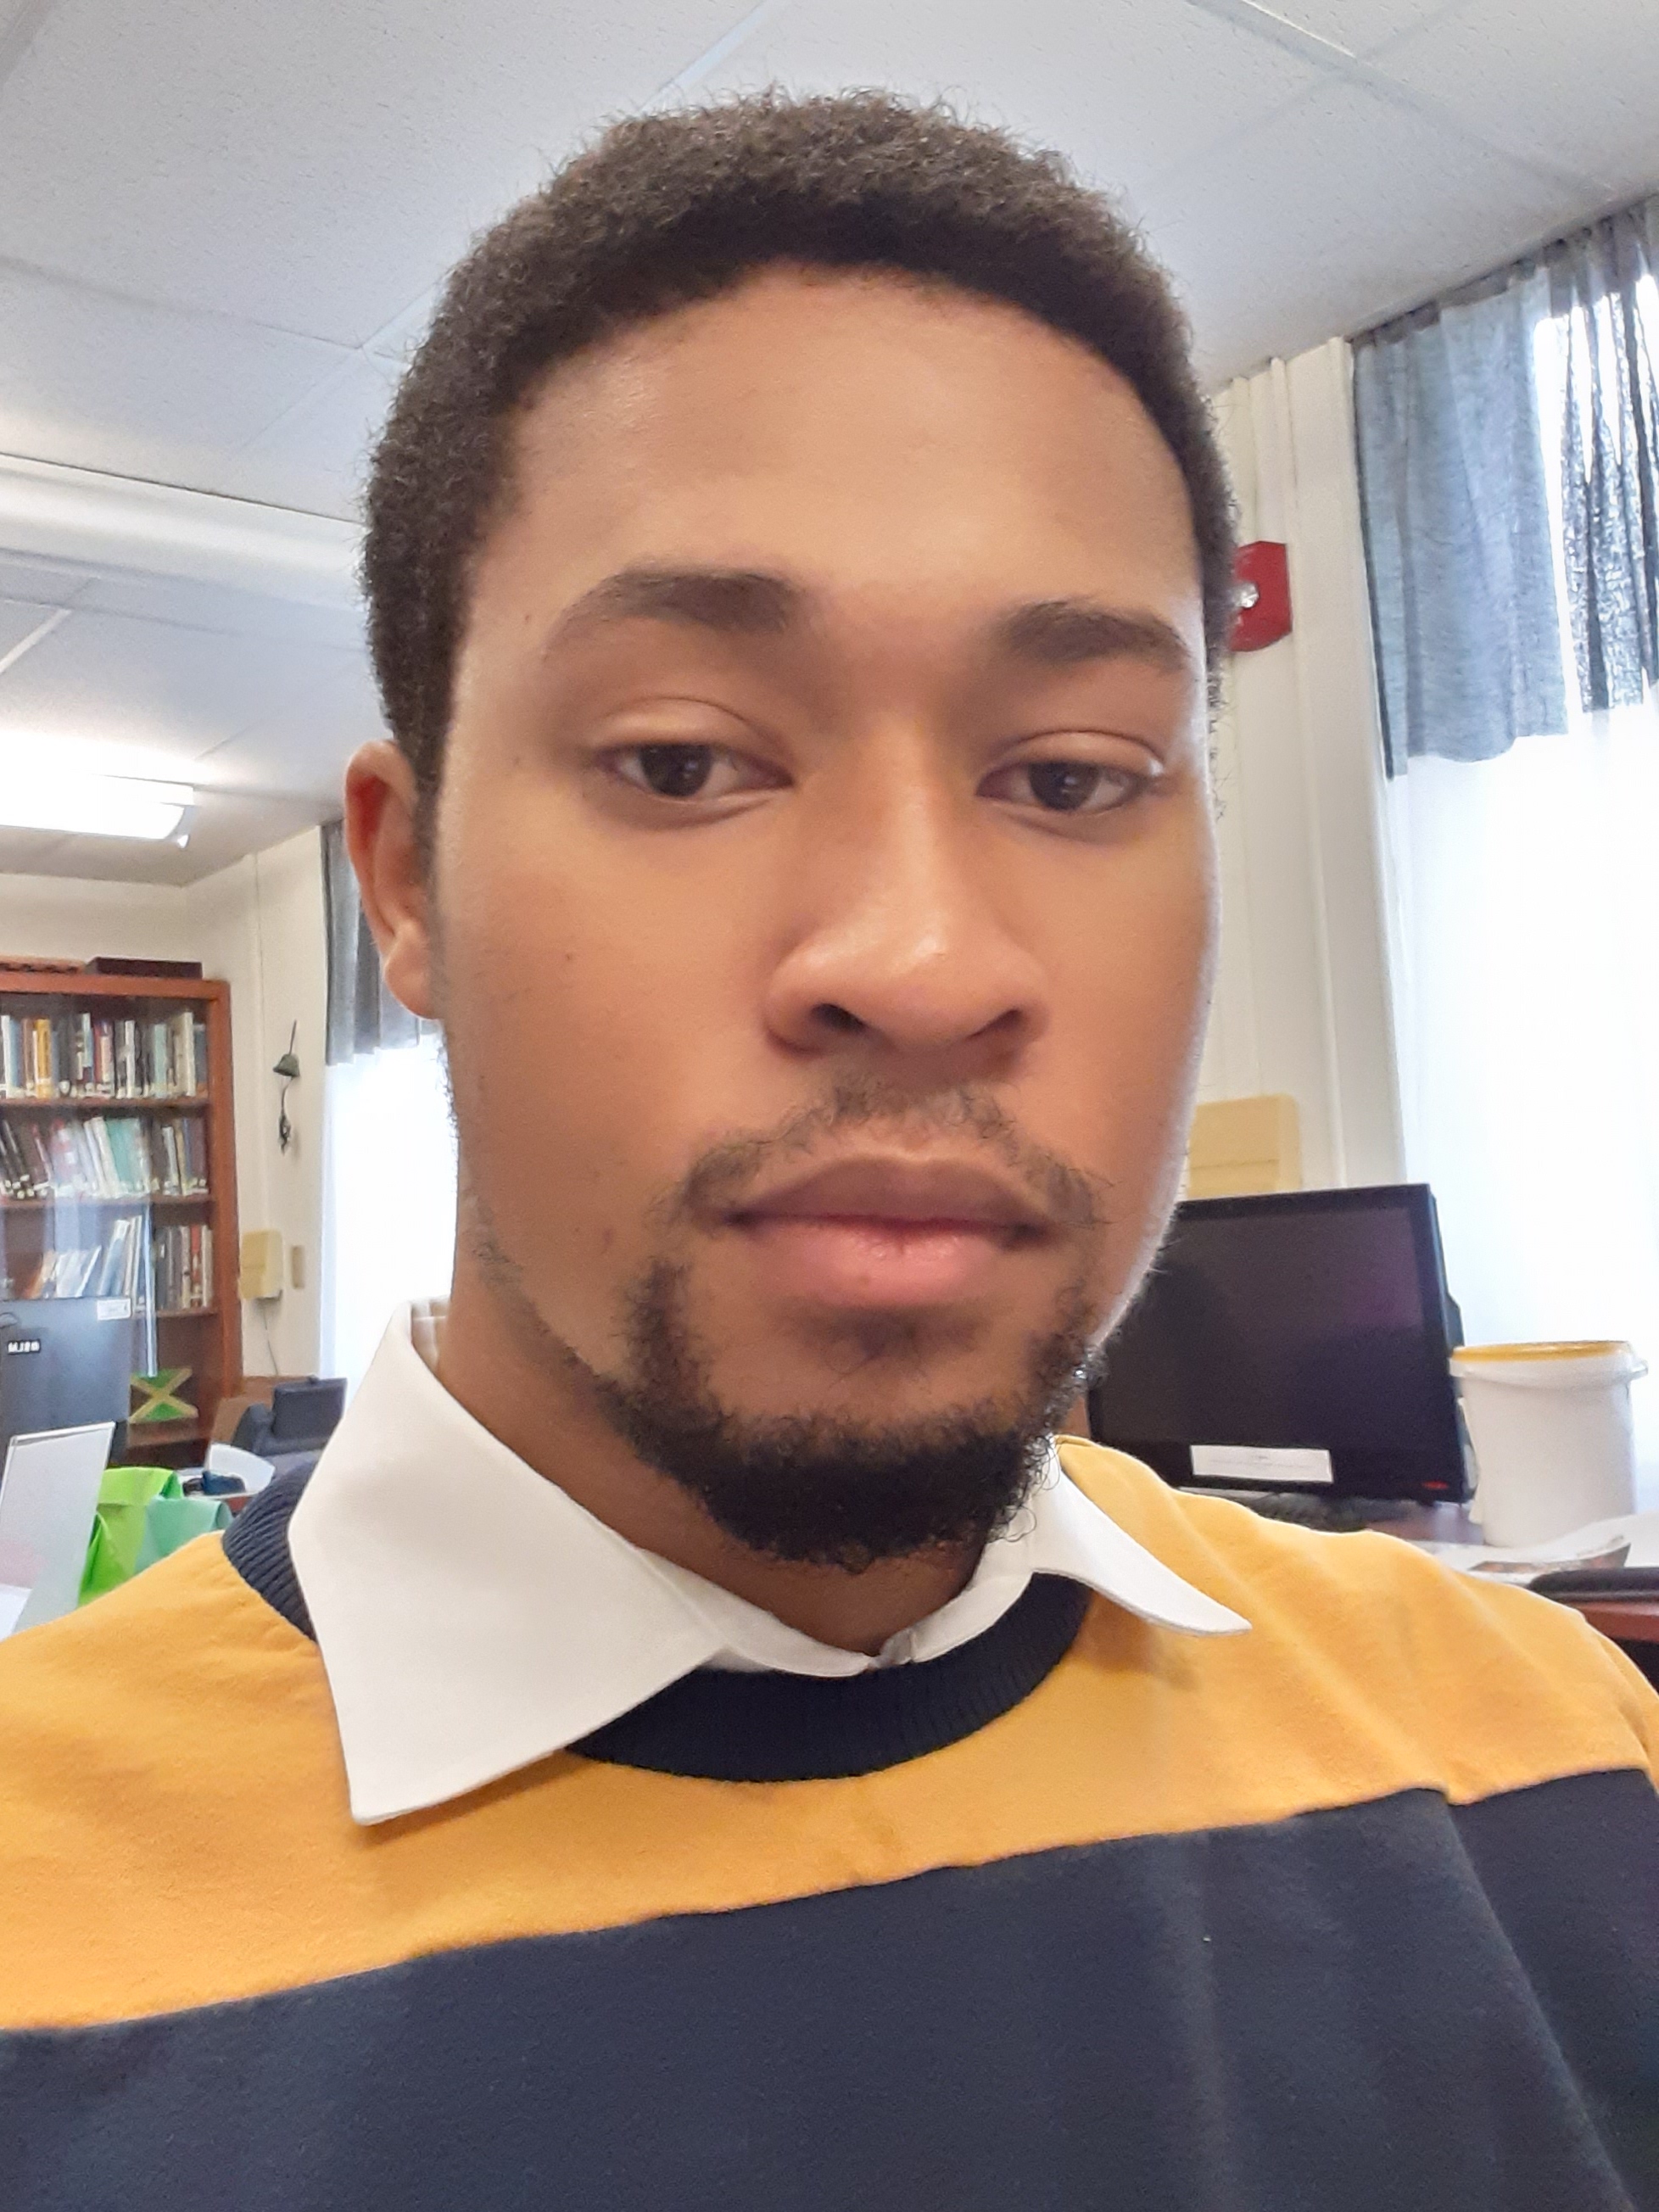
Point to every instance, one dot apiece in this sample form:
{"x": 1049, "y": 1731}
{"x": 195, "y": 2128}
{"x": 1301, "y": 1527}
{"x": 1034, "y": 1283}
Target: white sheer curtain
{"x": 1527, "y": 946}
{"x": 1528, "y": 998}
{"x": 388, "y": 1195}
{"x": 388, "y": 1145}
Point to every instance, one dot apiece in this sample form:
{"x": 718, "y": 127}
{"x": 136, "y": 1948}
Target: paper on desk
{"x": 1636, "y": 1534}
{"x": 13, "y": 1599}
{"x": 230, "y": 1459}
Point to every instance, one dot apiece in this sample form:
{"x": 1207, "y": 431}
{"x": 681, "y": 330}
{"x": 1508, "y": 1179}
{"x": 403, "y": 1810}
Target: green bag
{"x": 143, "y": 1515}
{"x": 171, "y": 1521}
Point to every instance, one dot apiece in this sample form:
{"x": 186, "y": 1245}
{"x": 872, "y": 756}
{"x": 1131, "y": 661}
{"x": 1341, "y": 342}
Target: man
{"x": 690, "y": 1745}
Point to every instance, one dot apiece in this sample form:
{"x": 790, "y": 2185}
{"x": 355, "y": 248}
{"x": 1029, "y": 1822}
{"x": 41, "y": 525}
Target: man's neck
{"x": 541, "y": 1409}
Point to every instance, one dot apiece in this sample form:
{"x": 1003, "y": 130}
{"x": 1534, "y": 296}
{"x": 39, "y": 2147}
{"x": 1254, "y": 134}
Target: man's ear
{"x": 381, "y": 804}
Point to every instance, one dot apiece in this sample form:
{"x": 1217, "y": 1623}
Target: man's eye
{"x": 683, "y": 771}
{"x": 1066, "y": 786}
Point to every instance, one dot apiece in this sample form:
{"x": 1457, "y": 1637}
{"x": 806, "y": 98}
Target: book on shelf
{"x": 88, "y": 1056}
{"x": 180, "y": 1268}
{"x": 183, "y": 1263}
{"x": 103, "y": 1156}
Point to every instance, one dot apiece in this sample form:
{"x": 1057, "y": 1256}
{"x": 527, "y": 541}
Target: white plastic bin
{"x": 1551, "y": 1428}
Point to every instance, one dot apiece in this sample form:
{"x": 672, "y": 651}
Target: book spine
{"x": 109, "y": 1257}
{"x": 109, "y": 1177}
{"x": 181, "y": 1044}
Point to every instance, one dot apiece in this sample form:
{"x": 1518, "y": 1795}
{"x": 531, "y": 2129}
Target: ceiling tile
{"x": 152, "y": 690}
{"x": 304, "y": 746}
{"x": 20, "y": 618}
{"x": 1358, "y": 26}
{"x": 311, "y": 165}
{"x": 42, "y": 583}
{"x": 316, "y": 456}
{"x": 105, "y": 382}
{"x": 396, "y": 343}
{"x": 1577, "y": 85}
{"x": 1406, "y": 207}
{"x": 19, "y": 21}
{"x": 223, "y": 830}
{"x": 1127, "y": 90}
{"x": 218, "y": 607}
{"x": 33, "y": 851}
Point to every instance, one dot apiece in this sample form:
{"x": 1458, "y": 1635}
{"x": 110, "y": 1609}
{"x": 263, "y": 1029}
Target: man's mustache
{"x": 716, "y": 1184}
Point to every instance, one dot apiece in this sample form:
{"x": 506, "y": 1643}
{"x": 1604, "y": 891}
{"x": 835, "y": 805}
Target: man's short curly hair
{"x": 667, "y": 208}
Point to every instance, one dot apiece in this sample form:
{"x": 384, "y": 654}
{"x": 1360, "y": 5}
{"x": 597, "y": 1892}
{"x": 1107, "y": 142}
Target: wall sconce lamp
{"x": 288, "y": 1068}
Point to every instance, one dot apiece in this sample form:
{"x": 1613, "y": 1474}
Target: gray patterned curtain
{"x": 1602, "y": 284}
{"x": 1457, "y": 488}
{"x": 362, "y": 1015}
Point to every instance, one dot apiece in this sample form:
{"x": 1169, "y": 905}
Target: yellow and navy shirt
{"x": 1358, "y": 1911}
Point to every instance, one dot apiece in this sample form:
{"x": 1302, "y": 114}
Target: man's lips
{"x": 937, "y": 1193}
{"x": 870, "y": 1234}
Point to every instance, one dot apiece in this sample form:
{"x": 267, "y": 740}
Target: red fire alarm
{"x": 1264, "y": 595}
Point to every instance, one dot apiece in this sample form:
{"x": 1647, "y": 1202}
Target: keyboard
{"x": 1311, "y": 1509}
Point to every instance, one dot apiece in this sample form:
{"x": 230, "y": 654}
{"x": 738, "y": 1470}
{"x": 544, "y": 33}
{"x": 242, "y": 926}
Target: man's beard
{"x": 817, "y": 1488}
{"x": 827, "y": 1490}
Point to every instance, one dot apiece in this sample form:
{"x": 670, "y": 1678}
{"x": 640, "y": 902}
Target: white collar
{"x": 472, "y": 1618}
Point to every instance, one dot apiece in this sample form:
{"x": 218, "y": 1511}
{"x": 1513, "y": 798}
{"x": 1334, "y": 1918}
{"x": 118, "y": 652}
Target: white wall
{"x": 1303, "y": 1002}
{"x": 260, "y": 924}
{"x": 67, "y": 918}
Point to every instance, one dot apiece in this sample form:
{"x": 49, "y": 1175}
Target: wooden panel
{"x": 1240, "y": 1148}
{"x": 77, "y": 983}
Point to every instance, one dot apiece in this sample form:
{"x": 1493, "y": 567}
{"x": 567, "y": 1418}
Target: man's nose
{"x": 901, "y": 943}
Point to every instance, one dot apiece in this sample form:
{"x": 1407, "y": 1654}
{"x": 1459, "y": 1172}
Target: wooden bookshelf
{"x": 204, "y": 1335}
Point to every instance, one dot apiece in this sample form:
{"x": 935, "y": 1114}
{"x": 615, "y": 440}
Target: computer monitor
{"x": 66, "y": 1363}
{"x": 1296, "y": 1340}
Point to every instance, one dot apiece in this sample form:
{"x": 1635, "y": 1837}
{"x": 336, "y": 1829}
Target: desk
{"x": 1626, "y": 1620}
{"x": 1632, "y": 1623}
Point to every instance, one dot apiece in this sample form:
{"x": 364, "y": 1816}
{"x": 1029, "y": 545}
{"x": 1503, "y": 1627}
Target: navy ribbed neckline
{"x": 725, "y": 1727}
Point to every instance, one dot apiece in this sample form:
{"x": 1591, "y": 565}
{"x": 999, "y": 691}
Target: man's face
{"x": 823, "y": 877}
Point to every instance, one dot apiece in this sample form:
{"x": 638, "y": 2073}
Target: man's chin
{"x": 865, "y": 1448}
{"x": 887, "y": 1396}
{"x": 928, "y": 1359}
{"x": 842, "y": 1490}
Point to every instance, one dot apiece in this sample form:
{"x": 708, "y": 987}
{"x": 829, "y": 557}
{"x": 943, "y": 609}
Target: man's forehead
{"x": 729, "y": 438}
{"x": 797, "y": 368}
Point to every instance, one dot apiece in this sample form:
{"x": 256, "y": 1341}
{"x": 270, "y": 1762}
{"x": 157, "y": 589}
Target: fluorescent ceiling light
{"x": 54, "y": 513}
{"x": 91, "y": 805}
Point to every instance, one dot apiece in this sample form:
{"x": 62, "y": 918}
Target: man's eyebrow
{"x": 1065, "y": 632}
{"x": 739, "y": 602}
